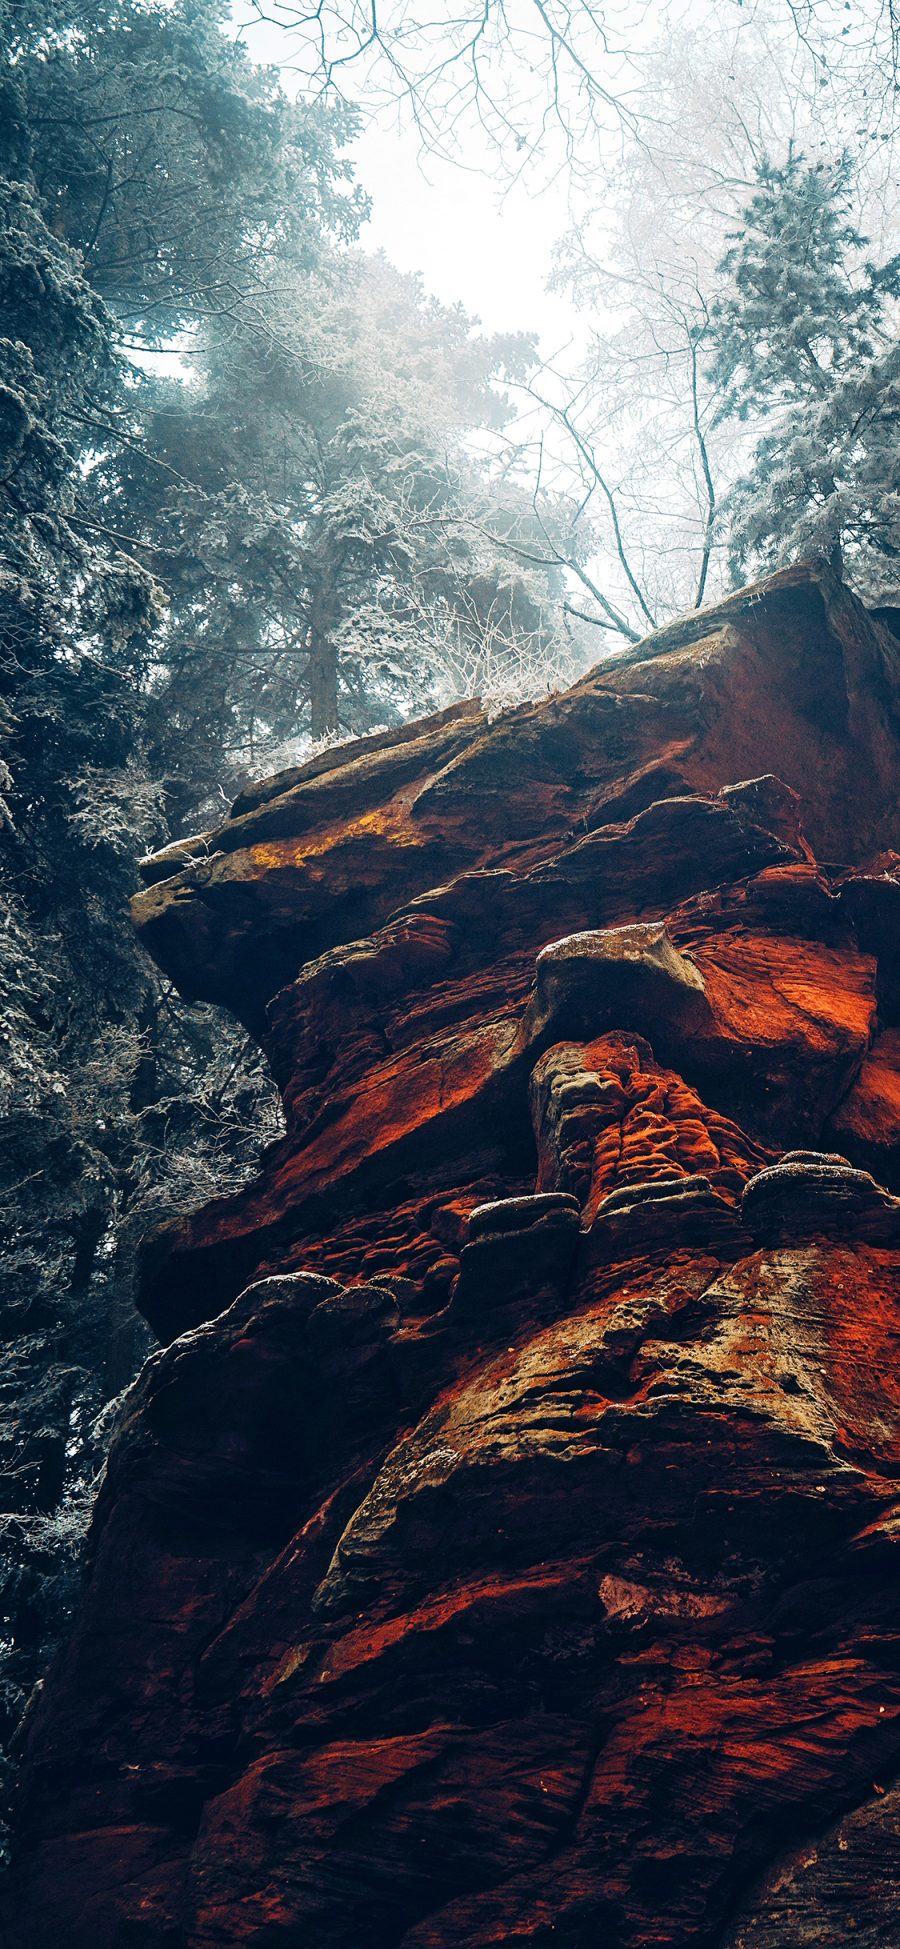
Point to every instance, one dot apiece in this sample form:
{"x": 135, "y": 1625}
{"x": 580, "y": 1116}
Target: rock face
{"x": 503, "y": 1548}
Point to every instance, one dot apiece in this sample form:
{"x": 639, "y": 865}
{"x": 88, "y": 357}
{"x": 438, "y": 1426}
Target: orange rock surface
{"x": 502, "y": 1548}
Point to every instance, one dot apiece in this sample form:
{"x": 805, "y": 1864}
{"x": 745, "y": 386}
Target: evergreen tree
{"x": 313, "y": 506}
{"x": 805, "y": 348}
{"x": 167, "y": 159}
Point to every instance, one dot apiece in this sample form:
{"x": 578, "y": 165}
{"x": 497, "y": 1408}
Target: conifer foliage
{"x": 805, "y": 347}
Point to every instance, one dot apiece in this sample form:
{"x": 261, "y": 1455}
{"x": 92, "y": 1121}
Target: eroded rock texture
{"x": 504, "y": 1547}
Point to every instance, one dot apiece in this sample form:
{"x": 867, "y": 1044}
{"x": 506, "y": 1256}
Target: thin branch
{"x": 703, "y": 451}
{"x": 563, "y": 415}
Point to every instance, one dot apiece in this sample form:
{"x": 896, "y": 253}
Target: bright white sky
{"x": 491, "y": 250}
{"x": 485, "y": 246}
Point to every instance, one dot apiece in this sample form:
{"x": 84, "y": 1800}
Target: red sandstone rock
{"x": 504, "y": 1547}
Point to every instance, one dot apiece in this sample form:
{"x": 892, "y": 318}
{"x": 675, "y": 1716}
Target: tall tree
{"x": 805, "y": 345}
{"x": 313, "y": 504}
{"x": 149, "y": 173}
{"x": 630, "y": 412}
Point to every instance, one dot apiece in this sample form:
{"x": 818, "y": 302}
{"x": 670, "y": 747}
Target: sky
{"x": 478, "y": 241}
{"x": 491, "y": 249}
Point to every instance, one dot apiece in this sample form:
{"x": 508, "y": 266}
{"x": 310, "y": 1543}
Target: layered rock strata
{"x": 503, "y": 1545}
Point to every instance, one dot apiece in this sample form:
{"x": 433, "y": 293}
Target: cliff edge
{"x": 503, "y": 1546}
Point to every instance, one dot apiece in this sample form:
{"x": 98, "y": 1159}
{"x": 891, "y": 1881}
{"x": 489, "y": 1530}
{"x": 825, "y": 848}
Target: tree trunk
{"x": 323, "y": 687}
{"x": 87, "y": 1232}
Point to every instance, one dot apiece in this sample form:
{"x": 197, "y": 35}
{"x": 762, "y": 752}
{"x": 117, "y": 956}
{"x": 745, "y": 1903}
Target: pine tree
{"x": 806, "y": 351}
{"x": 326, "y": 536}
